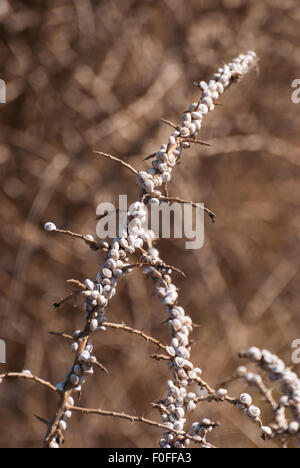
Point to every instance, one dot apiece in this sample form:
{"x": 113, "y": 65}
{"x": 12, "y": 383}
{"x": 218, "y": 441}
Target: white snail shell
{"x": 53, "y": 445}
{"x": 114, "y": 254}
{"x": 77, "y": 369}
{"x": 50, "y": 227}
{"x": 172, "y": 140}
{"x": 203, "y": 85}
{"x": 197, "y": 115}
{"x": 182, "y": 375}
{"x": 203, "y": 109}
{"x": 193, "y": 106}
{"x": 74, "y": 347}
{"x": 254, "y": 411}
{"x": 166, "y": 177}
{"x": 111, "y": 264}
{"x": 254, "y": 353}
{"x": 70, "y": 402}
{"x": 179, "y": 362}
{"x": 198, "y": 124}
{"x": 106, "y": 272}
{"x": 181, "y": 351}
{"x": 184, "y": 132}
{"x": 191, "y": 406}
{"x": 176, "y": 324}
{"x": 67, "y": 414}
{"x": 193, "y": 129}
{"x": 74, "y": 379}
{"x": 84, "y": 356}
{"x": 241, "y": 371}
{"x": 171, "y": 351}
{"x": 62, "y": 425}
{"x": 221, "y": 393}
{"x": 220, "y": 88}
{"x": 245, "y": 399}
{"x": 179, "y": 401}
{"x": 179, "y": 412}
{"x": 89, "y": 284}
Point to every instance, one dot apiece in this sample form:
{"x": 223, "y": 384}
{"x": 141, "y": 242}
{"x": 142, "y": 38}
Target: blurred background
{"x": 99, "y": 74}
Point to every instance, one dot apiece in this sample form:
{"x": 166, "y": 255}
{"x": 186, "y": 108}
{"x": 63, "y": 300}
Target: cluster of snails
{"x": 290, "y": 382}
{"x": 179, "y": 400}
{"x": 200, "y": 431}
{"x": 168, "y": 155}
{"x": 245, "y": 402}
{"x": 82, "y": 368}
{"x": 132, "y": 237}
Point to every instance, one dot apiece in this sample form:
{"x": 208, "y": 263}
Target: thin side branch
{"x": 62, "y": 335}
{"x": 163, "y": 265}
{"x": 114, "y": 158}
{"x": 171, "y": 124}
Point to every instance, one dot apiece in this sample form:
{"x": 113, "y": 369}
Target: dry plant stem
{"x": 122, "y": 326}
{"x": 197, "y": 141}
{"x": 184, "y": 202}
{"x": 76, "y": 283}
{"x": 79, "y": 236}
{"x": 65, "y": 299}
{"x": 28, "y": 376}
{"x": 102, "y": 367}
{"x": 171, "y": 124}
{"x": 157, "y": 176}
{"x": 132, "y": 419}
{"x": 62, "y": 335}
{"x": 117, "y": 326}
{"x": 72, "y": 294}
{"x": 163, "y": 265}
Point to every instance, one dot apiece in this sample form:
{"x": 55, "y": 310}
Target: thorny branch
{"x": 184, "y": 373}
{"x": 177, "y": 142}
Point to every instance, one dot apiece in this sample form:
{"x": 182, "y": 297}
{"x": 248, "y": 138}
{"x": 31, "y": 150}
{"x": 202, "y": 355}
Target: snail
{"x": 245, "y": 399}
{"x": 253, "y": 411}
{"x": 220, "y": 393}
{"x": 84, "y": 356}
{"x": 93, "y": 325}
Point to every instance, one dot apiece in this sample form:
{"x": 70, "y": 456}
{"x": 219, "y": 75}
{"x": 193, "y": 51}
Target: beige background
{"x": 85, "y": 75}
